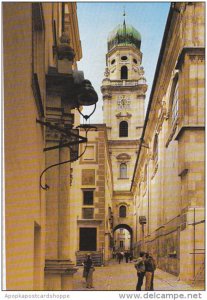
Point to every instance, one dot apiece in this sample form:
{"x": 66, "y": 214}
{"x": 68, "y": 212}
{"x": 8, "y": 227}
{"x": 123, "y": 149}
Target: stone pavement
{"x": 123, "y": 277}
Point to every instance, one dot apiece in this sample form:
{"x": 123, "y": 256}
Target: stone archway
{"x": 127, "y": 227}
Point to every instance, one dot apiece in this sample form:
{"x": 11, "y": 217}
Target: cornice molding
{"x": 190, "y": 51}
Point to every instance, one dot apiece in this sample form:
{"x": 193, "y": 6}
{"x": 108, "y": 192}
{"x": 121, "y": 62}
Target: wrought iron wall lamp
{"x": 85, "y": 93}
{"x": 70, "y": 139}
{"x": 74, "y": 91}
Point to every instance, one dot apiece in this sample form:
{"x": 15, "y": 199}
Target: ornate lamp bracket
{"x": 71, "y": 139}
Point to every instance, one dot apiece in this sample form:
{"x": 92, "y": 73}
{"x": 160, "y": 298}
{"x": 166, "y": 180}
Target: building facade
{"x": 42, "y": 89}
{"x": 168, "y": 181}
{"x": 91, "y": 195}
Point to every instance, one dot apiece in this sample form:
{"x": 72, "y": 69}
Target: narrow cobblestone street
{"x": 122, "y": 277}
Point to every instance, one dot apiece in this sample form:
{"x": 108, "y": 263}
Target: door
{"x": 88, "y": 238}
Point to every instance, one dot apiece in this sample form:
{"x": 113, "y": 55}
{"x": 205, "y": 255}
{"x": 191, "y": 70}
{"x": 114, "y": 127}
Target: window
{"x": 88, "y": 197}
{"x": 121, "y": 244}
{"x": 155, "y": 148}
{"x": 123, "y": 170}
{"x": 89, "y": 154}
{"x": 113, "y": 61}
{"x": 122, "y": 211}
{"x": 135, "y": 61}
{"x": 123, "y": 129}
{"x": 175, "y": 105}
{"x": 87, "y": 213}
{"x": 124, "y": 72}
{"x": 124, "y": 58}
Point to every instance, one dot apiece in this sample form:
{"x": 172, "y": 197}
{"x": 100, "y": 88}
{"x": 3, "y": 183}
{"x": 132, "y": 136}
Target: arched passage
{"x": 129, "y": 229}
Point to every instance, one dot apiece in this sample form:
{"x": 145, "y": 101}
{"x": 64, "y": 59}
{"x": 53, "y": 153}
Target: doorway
{"x": 88, "y": 239}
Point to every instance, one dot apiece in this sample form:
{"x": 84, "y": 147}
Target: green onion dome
{"x": 124, "y": 34}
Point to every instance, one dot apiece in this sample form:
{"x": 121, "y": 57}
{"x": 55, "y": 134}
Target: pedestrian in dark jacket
{"x": 140, "y": 267}
{"x": 126, "y": 254}
{"x": 120, "y": 257}
{"x": 149, "y": 270}
{"x": 89, "y": 269}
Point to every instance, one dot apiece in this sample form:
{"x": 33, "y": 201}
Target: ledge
{"x": 188, "y": 127}
{"x": 200, "y": 51}
{"x": 60, "y": 266}
{"x": 89, "y": 221}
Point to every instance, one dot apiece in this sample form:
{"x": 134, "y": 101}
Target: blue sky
{"x": 97, "y": 19}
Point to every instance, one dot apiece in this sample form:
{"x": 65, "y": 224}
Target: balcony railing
{"x": 127, "y": 82}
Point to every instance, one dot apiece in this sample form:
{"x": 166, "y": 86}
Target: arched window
{"x": 122, "y": 211}
{"x": 124, "y": 72}
{"x": 123, "y": 129}
{"x": 123, "y": 170}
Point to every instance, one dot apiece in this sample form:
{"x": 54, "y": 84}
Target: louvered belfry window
{"x": 122, "y": 211}
{"x": 124, "y": 72}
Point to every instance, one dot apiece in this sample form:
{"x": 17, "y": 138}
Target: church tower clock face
{"x": 123, "y": 102}
{"x": 123, "y": 89}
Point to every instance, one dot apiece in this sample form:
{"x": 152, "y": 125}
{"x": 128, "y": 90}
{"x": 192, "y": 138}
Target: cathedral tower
{"x": 123, "y": 89}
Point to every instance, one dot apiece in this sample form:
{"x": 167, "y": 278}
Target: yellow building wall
{"x": 24, "y": 158}
{"x": 28, "y": 51}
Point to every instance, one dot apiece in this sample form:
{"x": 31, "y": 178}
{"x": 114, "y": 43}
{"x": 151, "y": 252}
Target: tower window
{"x": 123, "y": 129}
{"x": 124, "y": 58}
{"x": 113, "y": 61}
{"x": 123, "y": 170}
{"x": 135, "y": 61}
{"x": 122, "y": 211}
{"x": 124, "y": 72}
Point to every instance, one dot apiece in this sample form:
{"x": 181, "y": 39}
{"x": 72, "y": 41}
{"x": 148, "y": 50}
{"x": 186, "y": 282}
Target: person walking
{"x": 140, "y": 267}
{"x": 84, "y": 268}
{"x": 89, "y": 270}
{"x": 126, "y": 254}
{"x": 120, "y": 257}
{"x": 130, "y": 256}
{"x": 149, "y": 269}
